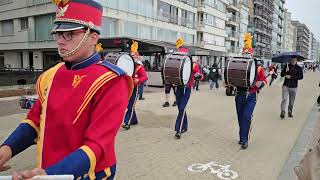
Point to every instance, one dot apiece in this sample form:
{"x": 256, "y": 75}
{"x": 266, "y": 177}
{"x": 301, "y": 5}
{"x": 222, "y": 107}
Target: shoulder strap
{"x": 112, "y": 67}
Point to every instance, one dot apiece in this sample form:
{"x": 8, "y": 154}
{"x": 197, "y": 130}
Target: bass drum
{"x": 122, "y": 60}
{"x": 241, "y": 72}
{"x": 177, "y": 69}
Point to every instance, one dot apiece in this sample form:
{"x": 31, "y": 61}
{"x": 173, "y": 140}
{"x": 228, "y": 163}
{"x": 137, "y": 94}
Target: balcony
{"x": 233, "y": 36}
{"x": 233, "y": 21}
{"x": 233, "y": 6}
{"x": 233, "y": 49}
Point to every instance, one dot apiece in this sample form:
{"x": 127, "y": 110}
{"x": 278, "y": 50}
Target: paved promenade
{"x": 149, "y": 150}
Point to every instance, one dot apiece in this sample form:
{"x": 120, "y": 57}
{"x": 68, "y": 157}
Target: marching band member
{"x": 246, "y": 99}
{"x": 182, "y": 96}
{"x": 139, "y": 77}
{"x": 81, "y": 103}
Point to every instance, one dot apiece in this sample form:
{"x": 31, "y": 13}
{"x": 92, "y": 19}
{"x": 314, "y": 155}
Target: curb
{"x": 300, "y": 146}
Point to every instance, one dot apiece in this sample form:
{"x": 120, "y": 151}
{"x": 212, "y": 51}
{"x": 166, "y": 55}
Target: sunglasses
{"x": 67, "y": 35}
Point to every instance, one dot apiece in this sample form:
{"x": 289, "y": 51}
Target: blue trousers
{"x": 182, "y": 98}
{"x": 245, "y": 105}
{"x": 141, "y": 86}
{"x": 131, "y": 117}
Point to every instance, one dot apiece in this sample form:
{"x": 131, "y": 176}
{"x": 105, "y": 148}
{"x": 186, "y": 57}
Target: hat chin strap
{"x": 78, "y": 47}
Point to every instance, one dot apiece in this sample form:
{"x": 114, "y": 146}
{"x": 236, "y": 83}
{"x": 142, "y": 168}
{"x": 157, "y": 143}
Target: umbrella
{"x": 286, "y": 57}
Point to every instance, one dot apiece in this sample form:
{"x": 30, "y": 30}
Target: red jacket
{"x": 195, "y": 69}
{"x": 260, "y": 77}
{"x": 140, "y": 74}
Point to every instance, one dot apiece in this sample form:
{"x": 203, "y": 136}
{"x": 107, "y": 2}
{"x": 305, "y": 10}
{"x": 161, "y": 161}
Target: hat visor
{"x": 62, "y": 26}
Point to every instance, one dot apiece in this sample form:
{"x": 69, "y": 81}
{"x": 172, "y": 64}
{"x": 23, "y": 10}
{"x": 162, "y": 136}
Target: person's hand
{"x": 28, "y": 174}
{"x": 136, "y": 81}
{"x": 5, "y": 155}
{"x": 288, "y": 76}
{"x": 271, "y": 72}
{"x": 258, "y": 83}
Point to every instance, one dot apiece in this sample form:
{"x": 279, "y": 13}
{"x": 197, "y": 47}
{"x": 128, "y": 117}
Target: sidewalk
{"x": 149, "y": 150}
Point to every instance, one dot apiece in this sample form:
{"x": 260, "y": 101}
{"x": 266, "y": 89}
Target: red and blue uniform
{"x": 140, "y": 75}
{"x": 245, "y": 103}
{"x": 182, "y": 97}
{"x": 76, "y": 118}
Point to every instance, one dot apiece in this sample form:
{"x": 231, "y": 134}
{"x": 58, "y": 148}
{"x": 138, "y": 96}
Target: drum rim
{"x": 118, "y": 54}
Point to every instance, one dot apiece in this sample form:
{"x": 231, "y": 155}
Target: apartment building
{"x": 261, "y": 25}
{"x": 277, "y": 26}
{"x": 288, "y": 33}
{"x": 302, "y": 38}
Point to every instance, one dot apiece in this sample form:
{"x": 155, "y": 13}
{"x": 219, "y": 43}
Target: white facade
{"x": 288, "y": 34}
{"x": 211, "y": 26}
{"x": 277, "y": 26}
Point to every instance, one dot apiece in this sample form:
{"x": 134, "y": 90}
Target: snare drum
{"x": 26, "y": 102}
{"x": 241, "y": 72}
{"x": 122, "y": 60}
{"x": 177, "y": 69}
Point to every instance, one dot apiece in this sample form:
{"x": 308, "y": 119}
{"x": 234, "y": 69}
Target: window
{"x": 183, "y": 17}
{"x": 164, "y": 11}
{"x": 124, "y": 5}
{"x": 174, "y": 14}
{"x": 210, "y": 2}
{"x": 145, "y": 32}
{"x": 130, "y": 29}
{"x": 221, "y": 6}
{"x": 190, "y": 19}
{"x": 24, "y": 23}
{"x": 43, "y": 26}
{"x": 7, "y": 27}
{"x": 210, "y": 20}
{"x": 220, "y": 23}
{"x": 219, "y": 40}
{"x": 109, "y": 27}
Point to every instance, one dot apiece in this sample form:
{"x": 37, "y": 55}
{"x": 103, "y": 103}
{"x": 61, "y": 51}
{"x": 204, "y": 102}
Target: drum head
{"x": 187, "y": 68}
{"x": 253, "y": 72}
{"x": 126, "y": 63}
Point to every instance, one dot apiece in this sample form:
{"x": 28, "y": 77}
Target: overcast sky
{"x": 307, "y": 12}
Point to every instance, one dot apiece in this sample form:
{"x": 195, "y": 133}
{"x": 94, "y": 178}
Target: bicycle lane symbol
{"x": 221, "y": 171}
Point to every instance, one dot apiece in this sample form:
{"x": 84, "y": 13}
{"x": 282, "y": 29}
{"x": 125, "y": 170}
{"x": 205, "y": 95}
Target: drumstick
{"x": 47, "y": 177}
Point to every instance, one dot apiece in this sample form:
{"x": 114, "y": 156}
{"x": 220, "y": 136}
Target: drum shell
{"x": 172, "y": 72}
{"x": 238, "y": 71}
{"x": 26, "y": 102}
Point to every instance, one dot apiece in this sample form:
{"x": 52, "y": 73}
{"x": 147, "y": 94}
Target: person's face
{"x": 69, "y": 40}
{"x": 294, "y": 61}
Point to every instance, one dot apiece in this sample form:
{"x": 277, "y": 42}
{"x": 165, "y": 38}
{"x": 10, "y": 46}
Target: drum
{"x": 122, "y": 60}
{"x": 241, "y": 72}
{"x": 26, "y": 102}
{"x": 177, "y": 69}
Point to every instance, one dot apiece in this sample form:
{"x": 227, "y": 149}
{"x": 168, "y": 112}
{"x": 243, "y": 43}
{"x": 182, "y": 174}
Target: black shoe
{"x": 166, "y": 104}
{"x": 126, "y": 126}
{"x": 290, "y": 114}
{"x": 174, "y": 103}
{"x": 142, "y": 98}
{"x": 244, "y": 145}
{"x": 240, "y": 142}
{"x": 178, "y": 135}
{"x": 184, "y": 130}
{"x": 282, "y": 115}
